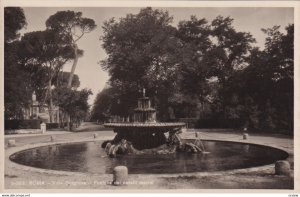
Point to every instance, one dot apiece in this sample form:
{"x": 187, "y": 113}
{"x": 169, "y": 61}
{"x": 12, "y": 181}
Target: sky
{"x": 88, "y": 69}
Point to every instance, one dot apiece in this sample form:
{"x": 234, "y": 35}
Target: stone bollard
{"x": 282, "y": 167}
{"x": 52, "y": 138}
{"x": 120, "y": 175}
{"x": 11, "y": 143}
{"x": 245, "y": 136}
{"x": 43, "y": 127}
{"x": 95, "y": 135}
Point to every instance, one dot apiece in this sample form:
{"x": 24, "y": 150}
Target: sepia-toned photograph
{"x": 139, "y": 98}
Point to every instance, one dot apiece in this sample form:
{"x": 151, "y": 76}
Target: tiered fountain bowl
{"x": 144, "y": 132}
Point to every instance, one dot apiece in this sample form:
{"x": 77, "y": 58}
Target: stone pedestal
{"x": 43, "y": 127}
{"x": 282, "y": 167}
{"x": 120, "y": 175}
{"x": 52, "y": 138}
{"x": 11, "y": 143}
{"x": 95, "y": 135}
{"x": 245, "y": 136}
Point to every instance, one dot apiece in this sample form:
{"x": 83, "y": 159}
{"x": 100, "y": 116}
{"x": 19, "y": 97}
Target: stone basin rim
{"x": 15, "y": 150}
{"x": 150, "y": 124}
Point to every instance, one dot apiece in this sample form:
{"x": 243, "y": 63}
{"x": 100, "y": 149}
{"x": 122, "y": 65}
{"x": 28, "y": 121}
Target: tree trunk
{"x": 70, "y": 82}
{"x": 68, "y": 122}
{"x": 58, "y": 117}
{"x": 51, "y": 102}
{"x": 63, "y": 119}
{"x": 73, "y": 66}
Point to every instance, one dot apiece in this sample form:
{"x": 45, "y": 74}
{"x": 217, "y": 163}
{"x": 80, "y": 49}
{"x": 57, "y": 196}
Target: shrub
{"x": 52, "y": 125}
{"x": 220, "y": 123}
{"x": 22, "y": 124}
{"x": 55, "y": 125}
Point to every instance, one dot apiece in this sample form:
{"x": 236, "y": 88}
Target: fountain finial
{"x": 33, "y": 96}
{"x": 144, "y": 92}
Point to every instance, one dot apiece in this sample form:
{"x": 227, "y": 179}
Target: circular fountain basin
{"x": 154, "y": 125}
{"x": 142, "y": 127}
{"x": 89, "y": 157}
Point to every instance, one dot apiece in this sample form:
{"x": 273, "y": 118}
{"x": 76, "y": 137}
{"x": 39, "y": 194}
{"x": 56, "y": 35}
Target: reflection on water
{"x": 91, "y": 158}
{"x": 246, "y": 148}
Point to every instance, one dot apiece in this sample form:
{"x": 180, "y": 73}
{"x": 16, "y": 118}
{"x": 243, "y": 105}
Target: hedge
{"x": 55, "y": 125}
{"x": 22, "y": 124}
{"x": 29, "y": 124}
{"x": 220, "y": 123}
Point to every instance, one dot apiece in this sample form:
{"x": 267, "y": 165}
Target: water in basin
{"x": 89, "y": 157}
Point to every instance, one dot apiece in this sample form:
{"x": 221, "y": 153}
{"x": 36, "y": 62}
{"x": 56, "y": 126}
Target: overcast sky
{"x": 89, "y": 71}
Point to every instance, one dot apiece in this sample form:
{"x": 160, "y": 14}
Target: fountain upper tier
{"x": 144, "y": 112}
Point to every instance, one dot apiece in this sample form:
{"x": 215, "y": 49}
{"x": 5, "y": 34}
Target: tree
{"x": 45, "y": 53}
{"x": 230, "y": 52}
{"x": 72, "y": 25}
{"x": 194, "y": 63}
{"x": 231, "y": 49}
{"x": 264, "y": 90}
{"x": 16, "y": 84}
{"x": 73, "y": 102}
{"x": 14, "y": 20}
{"x": 142, "y": 52}
{"x": 103, "y": 105}
{"x": 62, "y": 78}
{"x": 210, "y": 53}
{"x": 278, "y": 70}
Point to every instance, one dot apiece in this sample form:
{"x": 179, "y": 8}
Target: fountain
{"x": 147, "y": 136}
{"x": 145, "y": 146}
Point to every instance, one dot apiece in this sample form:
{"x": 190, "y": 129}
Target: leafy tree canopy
{"x": 70, "y": 24}
{"x": 73, "y": 102}
{"x": 141, "y": 52}
{"x": 14, "y": 20}
{"x": 262, "y": 93}
{"x": 17, "y": 86}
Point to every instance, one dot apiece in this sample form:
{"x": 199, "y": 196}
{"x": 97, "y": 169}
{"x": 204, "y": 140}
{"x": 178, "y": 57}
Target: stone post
{"x": 120, "y": 175}
{"x": 282, "y": 167}
{"x": 11, "y": 143}
{"x": 43, "y": 127}
{"x": 245, "y": 136}
{"x": 52, "y": 138}
{"x": 95, "y": 135}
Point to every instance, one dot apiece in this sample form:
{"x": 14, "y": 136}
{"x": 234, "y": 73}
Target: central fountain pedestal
{"x": 144, "y": 135}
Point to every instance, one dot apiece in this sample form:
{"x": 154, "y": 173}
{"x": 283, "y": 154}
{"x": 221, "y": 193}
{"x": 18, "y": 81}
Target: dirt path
{"x": 90, "y": 126}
